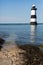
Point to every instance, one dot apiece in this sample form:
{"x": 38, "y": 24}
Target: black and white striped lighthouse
{"x": 33, "y": 20}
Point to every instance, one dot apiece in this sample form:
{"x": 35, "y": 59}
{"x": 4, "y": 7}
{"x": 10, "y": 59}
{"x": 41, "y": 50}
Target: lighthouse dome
{"x": 33, "y": 7}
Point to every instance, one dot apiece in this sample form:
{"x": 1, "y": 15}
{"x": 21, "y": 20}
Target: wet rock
{"x": 34, "y": 55}
{"x": 1, "y": 42}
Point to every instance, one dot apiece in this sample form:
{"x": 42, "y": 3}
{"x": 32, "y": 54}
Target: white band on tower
{"x": 33, "y": 20}
{"x": 33, "y": 12}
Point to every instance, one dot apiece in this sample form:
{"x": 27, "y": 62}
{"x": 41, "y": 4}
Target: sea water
{"x": 22, "y": 33}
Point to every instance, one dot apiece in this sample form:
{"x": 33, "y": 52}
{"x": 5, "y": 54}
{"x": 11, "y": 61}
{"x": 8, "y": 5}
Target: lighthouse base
{"x": 33, "y": 23}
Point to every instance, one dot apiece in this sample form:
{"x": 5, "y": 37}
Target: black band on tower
{"x": 33, "y": 23}
{"x": 33, "y": 16}
{"x": 33, "y": 8}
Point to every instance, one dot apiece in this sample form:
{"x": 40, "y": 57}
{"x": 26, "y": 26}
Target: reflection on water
{"x": 33, "y": 33}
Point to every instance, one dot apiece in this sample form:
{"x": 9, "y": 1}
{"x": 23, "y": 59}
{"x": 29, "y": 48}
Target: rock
{"x": 1, "y": 42}
{"x": 21, "y": 55}
{"x": 5, "y": 61}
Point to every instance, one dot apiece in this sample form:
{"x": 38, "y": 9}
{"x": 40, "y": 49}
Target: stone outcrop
{"x": 1, "y": 42}
{"x": 21, "y": 55}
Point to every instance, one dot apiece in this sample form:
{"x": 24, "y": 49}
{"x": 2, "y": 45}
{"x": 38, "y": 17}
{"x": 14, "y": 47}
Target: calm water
{"x": 22, "y": 34}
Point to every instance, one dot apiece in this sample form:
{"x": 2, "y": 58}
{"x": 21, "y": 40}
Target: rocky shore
{"x": 21, "y": 55}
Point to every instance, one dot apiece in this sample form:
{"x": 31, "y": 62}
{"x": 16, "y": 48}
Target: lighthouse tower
{"x": 33, "y": 20}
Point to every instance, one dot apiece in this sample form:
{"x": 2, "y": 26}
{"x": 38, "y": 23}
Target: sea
{"x": 22, "y": 33}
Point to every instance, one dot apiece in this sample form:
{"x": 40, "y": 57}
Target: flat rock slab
{"x": 21, "y": 55}
{"x": 5, "y": 61}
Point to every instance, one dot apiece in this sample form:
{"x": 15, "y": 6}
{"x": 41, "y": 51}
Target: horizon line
{"x": 19, "y": 23}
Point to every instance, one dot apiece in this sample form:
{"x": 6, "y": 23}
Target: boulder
{"x": 1, "y": 42}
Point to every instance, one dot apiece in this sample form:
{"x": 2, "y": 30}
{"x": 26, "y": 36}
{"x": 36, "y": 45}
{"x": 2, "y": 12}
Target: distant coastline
{"x": 14, "y": 23}
{"x": 18, "y": 23}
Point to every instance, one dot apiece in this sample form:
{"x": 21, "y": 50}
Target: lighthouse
{"x": 33, "y": 20}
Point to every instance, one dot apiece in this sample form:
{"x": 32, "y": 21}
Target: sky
{"x": 19, "y": 11}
